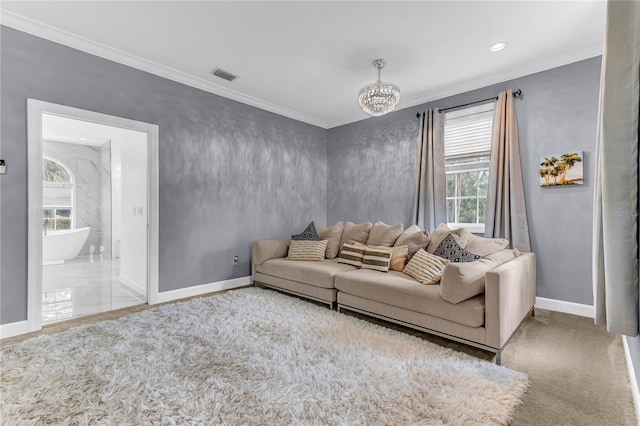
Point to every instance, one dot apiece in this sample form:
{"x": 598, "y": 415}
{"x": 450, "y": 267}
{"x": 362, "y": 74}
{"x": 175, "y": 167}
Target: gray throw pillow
{"x": 309, "y": 234}
{"x": 451, "y": 250}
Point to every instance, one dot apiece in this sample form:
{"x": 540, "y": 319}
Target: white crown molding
{"x": 74, "y": 41}
{"x": 56, "y": 35}
{"x": 544, "y": 64}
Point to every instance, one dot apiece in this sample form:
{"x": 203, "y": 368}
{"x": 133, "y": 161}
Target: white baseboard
{"x": 632, "y": 378}
{"x": 14, "y": 329}
{"x": 565, "y": 307}
{"x": 197, "y": 290}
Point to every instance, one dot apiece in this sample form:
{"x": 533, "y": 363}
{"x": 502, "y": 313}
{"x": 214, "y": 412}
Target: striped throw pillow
{"x": 426, "y": 267}
{"x": 377, "y": 259}
{"x": 306, "y": 250}
{"x": 399, "y": 255}
{"x": 351, "y": 254}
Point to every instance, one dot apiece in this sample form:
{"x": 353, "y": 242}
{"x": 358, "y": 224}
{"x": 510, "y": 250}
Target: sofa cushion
{"x": 307, "y": 250}
{"x": 352, "y": 254}
{"x": 356, "y": 232}
{"x": 426, "y": 268}
{"x": 485, "y": 246}
{"x": 461, "y": 236}
{"x": 414, "y": 241}
{"x": 319, "y": 274}
{"x": 384, "y": 235}
{"x": 400, "y": 290}
{"x": 377, "y": 259}
{"x": 333, "y": 234}
{"x": 449, "y": 249}
{"x": 309, "y": 233}
{"x": 460, "y": 281}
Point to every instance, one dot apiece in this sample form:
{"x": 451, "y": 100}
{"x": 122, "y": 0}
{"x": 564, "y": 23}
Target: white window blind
{"x": 467, "y": 132}
{"x": 57, "y": 195}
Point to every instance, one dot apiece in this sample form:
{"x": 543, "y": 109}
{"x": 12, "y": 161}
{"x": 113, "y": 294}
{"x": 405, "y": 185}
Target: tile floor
{"x": 84, "y": 286}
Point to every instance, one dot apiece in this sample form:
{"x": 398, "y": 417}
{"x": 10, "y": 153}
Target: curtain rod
{"x": 516, "y": 94}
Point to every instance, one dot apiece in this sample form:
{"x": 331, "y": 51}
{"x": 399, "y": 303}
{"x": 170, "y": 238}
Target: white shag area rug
{"x": 249, "y": 356}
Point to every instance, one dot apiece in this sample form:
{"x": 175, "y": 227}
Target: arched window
{"x": 57, "y": 195}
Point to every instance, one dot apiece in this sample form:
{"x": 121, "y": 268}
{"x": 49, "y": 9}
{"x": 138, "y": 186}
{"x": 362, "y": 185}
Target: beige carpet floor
{"x": 577, "y": 371}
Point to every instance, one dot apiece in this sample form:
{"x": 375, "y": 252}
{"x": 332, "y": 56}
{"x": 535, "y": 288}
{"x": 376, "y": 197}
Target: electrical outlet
{"x": 236, "y": 259}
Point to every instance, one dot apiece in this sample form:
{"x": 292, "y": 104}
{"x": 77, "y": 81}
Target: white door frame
{"x": 35, "y": 109}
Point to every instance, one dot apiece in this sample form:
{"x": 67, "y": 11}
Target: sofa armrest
{"x": 263, "y": 250}
{"x": 510, "y": 294}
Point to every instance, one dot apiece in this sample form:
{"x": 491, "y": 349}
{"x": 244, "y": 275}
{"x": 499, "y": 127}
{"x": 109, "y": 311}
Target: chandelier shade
{"x": 379, "y": 98}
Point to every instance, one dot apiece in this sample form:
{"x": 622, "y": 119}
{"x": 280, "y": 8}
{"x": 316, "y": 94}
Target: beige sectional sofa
{"x": 480, "y": 305}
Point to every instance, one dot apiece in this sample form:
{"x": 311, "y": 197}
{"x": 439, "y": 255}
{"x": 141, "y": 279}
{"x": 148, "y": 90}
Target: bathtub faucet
{"x": 45, "y": 225}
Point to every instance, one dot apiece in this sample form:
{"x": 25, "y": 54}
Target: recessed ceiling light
{"x": 83, "y": 139}
{"x": 498, "y": 46}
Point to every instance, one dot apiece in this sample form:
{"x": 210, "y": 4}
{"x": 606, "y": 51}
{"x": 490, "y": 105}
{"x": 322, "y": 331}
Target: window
{"x": 57, "y": 195}
{"x": 467, "y": 147}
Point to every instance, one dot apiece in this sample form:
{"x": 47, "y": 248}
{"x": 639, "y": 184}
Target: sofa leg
{"x": 533, "y": 312}
{"x": 498, "y": 358}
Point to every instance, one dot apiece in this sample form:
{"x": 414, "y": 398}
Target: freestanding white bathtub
{"x": 58, "y": 246}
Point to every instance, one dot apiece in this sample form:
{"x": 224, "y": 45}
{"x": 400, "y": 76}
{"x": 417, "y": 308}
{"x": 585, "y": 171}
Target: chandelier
{"x": 379, "y": 98}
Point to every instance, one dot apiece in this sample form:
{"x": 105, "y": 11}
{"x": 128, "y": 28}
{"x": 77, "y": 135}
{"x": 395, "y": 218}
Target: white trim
{"x": 197, "y": 290}
{"x": 34, "y": 215}
{"x": 632, "y": 378}
{"x": 565, "y": 307}
{"x": 35, "y": 109}
{"x": 14, "y": 329}
{"x": 474, "y": 228}
{"x": 66, "y": 38}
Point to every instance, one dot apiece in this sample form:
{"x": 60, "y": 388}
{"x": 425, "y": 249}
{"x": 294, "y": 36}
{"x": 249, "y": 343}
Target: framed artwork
{"x": 562, "y": 169}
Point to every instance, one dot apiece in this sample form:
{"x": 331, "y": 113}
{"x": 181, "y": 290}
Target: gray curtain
{"x": 506, "y": 215}
{"x": 430, "y": 200}
{"x": 615, "y": 248}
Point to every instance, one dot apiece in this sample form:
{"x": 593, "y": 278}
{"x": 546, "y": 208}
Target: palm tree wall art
{"x": 561, "y": 169}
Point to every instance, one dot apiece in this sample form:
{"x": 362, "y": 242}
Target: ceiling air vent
{"x": 223, "y": 74}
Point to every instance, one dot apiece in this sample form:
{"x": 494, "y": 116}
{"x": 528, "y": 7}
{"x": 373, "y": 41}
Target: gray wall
{"x": 85, "y": 163}
{"x": 372, "y": 168}
{"x": 229, "y": 173}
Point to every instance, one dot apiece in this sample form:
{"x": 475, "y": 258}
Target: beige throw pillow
{"x": 384, "y": 235}
{"x": 307, "y": 250}
{"x": 411, "y": 230}
{"x": 352, "y": 254}
{"x": 333, "y": 234}
{"x": 414, "y": 241}
{"x": 377, "y": 259}
{"x": 425, "y": 267}
{"x": 356, "y": 232}
{"x": 485, "y": 246}
{"x": 461, "y": 235}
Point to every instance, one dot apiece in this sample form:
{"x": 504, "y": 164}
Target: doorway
{"x": 92, "y": 223}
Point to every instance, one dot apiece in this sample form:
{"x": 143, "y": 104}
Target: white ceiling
{"x": 307, "y": 60}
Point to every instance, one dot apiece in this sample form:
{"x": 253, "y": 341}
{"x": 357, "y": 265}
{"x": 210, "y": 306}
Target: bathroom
{"x": 94, "y": 198}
